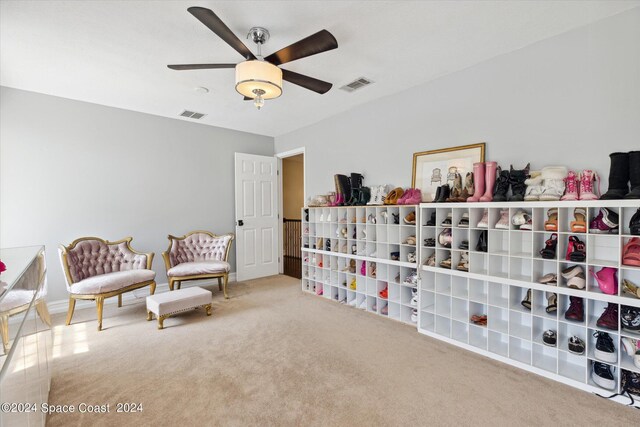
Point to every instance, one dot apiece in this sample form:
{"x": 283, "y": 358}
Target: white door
{"x": 256, "y": 216}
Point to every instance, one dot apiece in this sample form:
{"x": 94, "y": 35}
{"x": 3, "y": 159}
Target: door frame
{"x": 279, "y": 157}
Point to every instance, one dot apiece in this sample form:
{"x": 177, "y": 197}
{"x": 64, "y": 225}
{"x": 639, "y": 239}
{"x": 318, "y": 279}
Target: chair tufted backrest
{"x": 199, "y": 247}
{"x": 90, "y": 258}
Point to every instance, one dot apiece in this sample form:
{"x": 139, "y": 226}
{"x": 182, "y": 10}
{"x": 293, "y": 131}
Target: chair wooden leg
{"x": 171, "y": 284}
{"x": 226, "y": 279}
{"x": 72, "y": 306}
{"x": 152, "y": 289}
{"x": 179, "y": 284}
{"x": 4, "y": 331}
{"x": 119, "y": 300}
{"x": 43, "y": 312}
{"x": 99, "y": 306}
{"x": 219, "y": 283}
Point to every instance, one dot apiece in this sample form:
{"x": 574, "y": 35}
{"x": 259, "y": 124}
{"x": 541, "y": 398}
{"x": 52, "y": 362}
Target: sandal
{"x": 551, "y": 224}
{"x": 411, "y": 240}
{"x": 631, "y": 252}
{"x": 444, "y": 238}
{"x": 580, "y": 224}
{"x": 630, "y": 288}
{"x": 463, "y": 265}
{"x": 576, "y": 250}
{"x": 549, "y": 251}
{"x": 526, "y": 302}
{"x": 446, "y": 263}
{"x": 552, "y": 303}
{"x": 393, "y": 196}
{"x": 431, "y": 261}
{"x": 480, "y": 320}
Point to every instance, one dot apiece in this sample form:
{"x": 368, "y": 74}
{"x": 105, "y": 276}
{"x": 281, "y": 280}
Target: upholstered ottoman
{"x": 169, "y": 303}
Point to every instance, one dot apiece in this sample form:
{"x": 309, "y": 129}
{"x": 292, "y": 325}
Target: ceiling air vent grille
{"x": 357, "y": 84}
{"x": 192, "y": 115}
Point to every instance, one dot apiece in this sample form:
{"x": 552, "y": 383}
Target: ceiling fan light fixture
{"x": 254, "y": 77}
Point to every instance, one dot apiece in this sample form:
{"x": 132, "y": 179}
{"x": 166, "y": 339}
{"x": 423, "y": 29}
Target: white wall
{"x": 70, "y": 169}
{"x": 571, "y": 100}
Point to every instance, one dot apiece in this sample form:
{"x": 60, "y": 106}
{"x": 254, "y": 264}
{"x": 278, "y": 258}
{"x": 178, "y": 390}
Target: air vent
{"x": 357, "y": 84}
{"x": 192, "y": 115}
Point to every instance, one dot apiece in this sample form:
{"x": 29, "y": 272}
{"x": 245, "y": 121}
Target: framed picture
{"x": 434, "y": 168}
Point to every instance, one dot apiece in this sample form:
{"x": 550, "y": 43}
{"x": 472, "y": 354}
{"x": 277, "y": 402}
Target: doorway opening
{"x": 292, "y": 203}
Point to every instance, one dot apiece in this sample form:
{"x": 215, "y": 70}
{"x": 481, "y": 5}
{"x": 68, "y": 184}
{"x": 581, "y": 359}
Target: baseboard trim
{"x": 137, "y": 296}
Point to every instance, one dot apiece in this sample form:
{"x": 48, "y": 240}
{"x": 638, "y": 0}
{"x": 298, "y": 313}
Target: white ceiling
{"x": 115, "y": 52}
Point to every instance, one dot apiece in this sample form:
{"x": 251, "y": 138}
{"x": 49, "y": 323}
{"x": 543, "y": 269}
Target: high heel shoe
{"x": 526, "y": 302}
{"x": 552, "y": 303}
{"x": 482, "y": 241}
{"x": 549, "y": 251}
{"x": 630, "y": 288}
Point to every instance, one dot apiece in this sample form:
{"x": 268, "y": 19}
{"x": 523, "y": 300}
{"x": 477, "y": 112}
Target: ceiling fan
{"x": 259, "y": 78}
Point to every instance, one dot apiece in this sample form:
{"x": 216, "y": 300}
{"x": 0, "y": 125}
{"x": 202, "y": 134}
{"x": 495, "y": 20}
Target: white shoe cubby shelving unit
{"x": 337, "y": 239}
{"x": 498, "y": 280}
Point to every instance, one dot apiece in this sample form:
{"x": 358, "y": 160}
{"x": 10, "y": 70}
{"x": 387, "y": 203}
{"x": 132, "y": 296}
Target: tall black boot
{"x": 618, "y": 177}
{"x": 356, "y": 184}
{"x": 345, "y": 189}
{"x": 501, "y": 188}
{"x": 634, "y": 175}
{"x": 517, "y": 179}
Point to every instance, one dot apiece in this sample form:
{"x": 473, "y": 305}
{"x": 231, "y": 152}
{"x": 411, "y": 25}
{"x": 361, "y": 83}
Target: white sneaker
{"x": 414, "y": 291}
{"x": 352, "y": 303}
{"x": 414, "y": 315}
{"x": 632, "y": 348}
{"x": 414, "y": 301}
{"x": 484, "y": 222}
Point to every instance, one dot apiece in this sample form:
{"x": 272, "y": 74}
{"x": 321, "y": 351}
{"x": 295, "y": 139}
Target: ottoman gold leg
{"x": 208, "y": 309}
{"x": 161, "y": 321}
{"x": 149, "y": 315}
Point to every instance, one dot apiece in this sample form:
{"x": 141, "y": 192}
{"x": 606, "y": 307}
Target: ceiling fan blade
{"x": 200, "y": 66}
{"x": 215, "y": 24}
{"x": 319, "y": 42}
{"x": 306, "y": 82}
{"x": 246, "y": 98}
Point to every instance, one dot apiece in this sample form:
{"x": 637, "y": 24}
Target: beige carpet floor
{"x": 272, "y": 355}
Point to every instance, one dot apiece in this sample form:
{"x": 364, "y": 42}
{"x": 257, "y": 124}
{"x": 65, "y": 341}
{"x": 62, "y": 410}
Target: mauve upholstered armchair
{"x": 198, "y": 255}
{"x": 96, "y": 269}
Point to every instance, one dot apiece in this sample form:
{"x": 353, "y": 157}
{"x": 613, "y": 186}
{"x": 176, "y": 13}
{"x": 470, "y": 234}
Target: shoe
{"x": 415, "y": 198}
{"x": 385, "y": 310}
{"x": 373, "y": 271}
{"x": 534, "y": 186}
{"x": 467, "y": 190}
{"x": 517, "y": 178}
{"x": 444, "y": 194}
{"x": 631, "y": 252}
{"x": 580, "y": 223}
{"x": 414, "y": 301}
{"x": 464, "y": 245}
{"x": 393, "y": 196}
{"x": 549, "y": 251}
{"x": 414, "y": 291}
{"x": 526, "y": 302}
{"x": 572, "y": 271}
{"x": 553, "y": 182}
{"x": 432, "y": 221}
{"x": 411, "y": 279}
{"x": 503, "y": 222}
{"x": 629, "y": 287}
{"x": 319, "y": 289}
{"x": 634, "y": 223}
{"x": 431, "y": 261}
{"x": 395, "y": 256}
{"x": 576, "y": 250}
{"x": 446, "y": 263}
{"x": 618, "y": 177}
{"x": 374, "y": 307}
{"x": 585, "y": 185}
{"x": 484, "y": 221}
{"x": 396, "y": 218}
{"x": 607, "y": 279}
{"x": 634, "y": 175}
{"x": 429, "y": 242}
{"x": 447, "y": 221}
{"x": 411, "y": 257}
{"x": 411, "y": 218}
{"x": 477, "y": 179}
{"x": 609, "y": 318}
{"x": 463, "y": 265}
{"x": 576, "y": 345}
{"x": 405, "y": 196}
{"x": 414, "y": 315}
{"x": 605, "y": 350}
{"x": 577, "y": 282}
{"x": 445, "y": 238}
{"x": 464, "y": 221}
{"x": 602, "y": 376}
{"x": 576, "y": 310}
{"x": 384, "y": 293}
{"x": 479, "y": 319}
{"x": 630, "y": 318}
{"x": 352, "y": 303}
{"x": 456, "y": 190}
{"x": 397, "y": 278}
{"x": 551, "y": 224}
{"x": 607, "y": 222}
{"x": 571, "y": 187}
{"x": 490, "y": 169}
{"x": 522, "y": 220}
{"x": 411, "y": 240}
{"x": 550, "y": 338}
{"x": 549, "y": 279}
{"x": 502, "y": 186}
{"x": 481, "y": 246}
{"x": 552, "y": 303}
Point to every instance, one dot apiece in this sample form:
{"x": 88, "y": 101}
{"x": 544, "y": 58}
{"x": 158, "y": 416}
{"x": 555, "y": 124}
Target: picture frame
{"x": 434, "y": 168}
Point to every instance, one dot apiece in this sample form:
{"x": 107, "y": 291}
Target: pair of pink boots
{"x": 484, "y": 178}
{"x": 413, "y": 196}
{"x": 580, "y": 186}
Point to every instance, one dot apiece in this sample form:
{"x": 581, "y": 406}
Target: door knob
{"x": 240, "y": 223}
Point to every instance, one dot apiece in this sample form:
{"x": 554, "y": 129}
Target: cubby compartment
{"x": 499, "y": 266}
{"x": 459, "y": 310}
{"x": 543, "y": 304}
{"x": 614, "y": 372}
{"x": 427, "y": 321}
{"x": 602, "y": 250}
{"x": 498, "y": 242}
{"x": 498, "y": 294}
{"x": 632, "y": 276}
{"x": 459, "y": 287}
{"x": 540, "y": 326}
{"x": 460, "y": 331}
{"x": 443, "y": 326}
{"x": 521, "y": 244}
{"x": 478, "y": 291}
{"x": 564, "y": 302}
{"x": 478, "y": 263}
{"x": 498, "y": 343}
{"x": 498, "y": 320}
{"x": 626, "y": 213}
{"x": 520, "y": 269}
{"x": 572, "y": 366}
{"x": 478, "y": 336}
{"x": 428, "y": 301}
{"x": 443, "y": 284}
{"x": 543, "y": 267}
{"x": 595, "y": 309}
{"x": 520, "y": 350}
{"x": 540, "y": 243}
{"x": 600, "y": 356}
{"x": 520, "y": 325}
{"x": 443, "y": 305}
{"x": 568, "y": 330}
{"x": 545, "y": 357}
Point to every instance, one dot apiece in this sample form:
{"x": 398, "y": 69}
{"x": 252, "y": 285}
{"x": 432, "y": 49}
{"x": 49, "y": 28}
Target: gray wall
{"x": 571, "y": 100}
{"x": 70, "y": 169}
